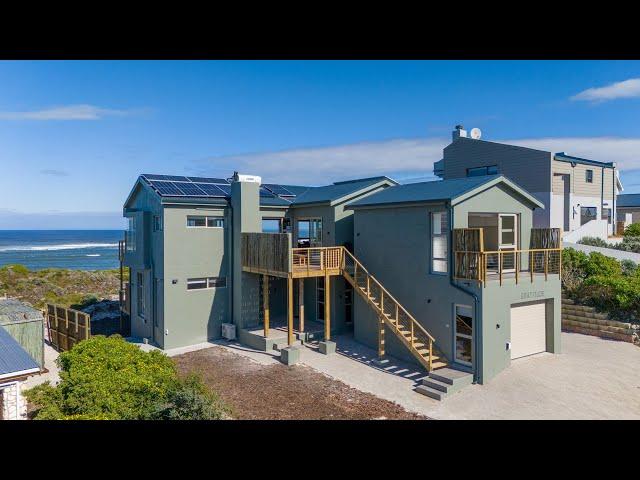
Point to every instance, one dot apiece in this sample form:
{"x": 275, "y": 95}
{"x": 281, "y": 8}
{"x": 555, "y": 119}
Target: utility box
{"x": 229, "y": 331}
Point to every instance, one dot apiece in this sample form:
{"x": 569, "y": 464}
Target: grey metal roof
{"x": 437, "y": 191}
{"x": 338, "y": 190}
{"x": 563, "y": 157}
{"x": 13, "y": 358}
{"x": 14, "y": 311}
{"x": 628, "y": 200}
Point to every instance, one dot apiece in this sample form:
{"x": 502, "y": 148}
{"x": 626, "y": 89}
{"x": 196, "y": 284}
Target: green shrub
{"x": 632, "y": 230}
{"x": 108, "y": 378}
{"x": 620, "y": 296}
{"x": 594, "y": 241}
{"x": 599, "y": 264}
{"x": 16, "y": 268}
{"x": 191, "y": 400}
{"x": 629, "y": 268}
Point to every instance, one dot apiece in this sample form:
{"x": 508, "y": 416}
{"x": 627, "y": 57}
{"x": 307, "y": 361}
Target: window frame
{"x": 131, "y": 234}
{"x": 141, "y": 307}
{"x": 588, "y": 175}
{"x": 484, "y": 168}
{"x": 157, "y": 223}
{"x": 272, "y": 219}
{"x": 443, "y": 233}
{"x": 207, "y": 218}
{"x": 207, "y": 281}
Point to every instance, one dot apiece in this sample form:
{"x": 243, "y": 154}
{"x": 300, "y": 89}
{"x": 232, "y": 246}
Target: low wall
{"x": 593, "y": 228}
{"x": 586, "y": 320}
{"x": 609, "y": 252}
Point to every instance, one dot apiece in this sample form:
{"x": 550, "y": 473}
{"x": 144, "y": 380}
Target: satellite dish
{"x": 476, "y": 133}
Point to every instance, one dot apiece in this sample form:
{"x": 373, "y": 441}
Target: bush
{"x": 618, "y": 295}
{"x": 632, "y": 230}
{"x": 629, "y": 268}
{"x": 108, "y": 378}
{"x": 191, "y": 400}
{"x": 594, "y": 241}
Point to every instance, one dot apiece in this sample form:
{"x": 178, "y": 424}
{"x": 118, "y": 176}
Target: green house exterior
{"x": 387, "y": 226}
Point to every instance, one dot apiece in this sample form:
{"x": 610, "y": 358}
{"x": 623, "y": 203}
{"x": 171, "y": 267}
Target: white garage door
{"x": 528, "y": 331}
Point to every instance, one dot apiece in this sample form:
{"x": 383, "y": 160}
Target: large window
{"x": 439, "y": 242}
{"x": 310, "y": 233}
{"x": 140, "y": 294}
{"x": 197, "y": 221}
{"x": 271, "y": 225}
{"x": 480, "y": 171}
{"x": 206, "y": 282}
{"x": 130, "y": 236}
{"x": 589, "y": 176}
{"x": 587, "y": 214}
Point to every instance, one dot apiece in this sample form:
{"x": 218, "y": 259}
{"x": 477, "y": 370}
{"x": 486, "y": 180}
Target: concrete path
{"x": 50, "y": 356}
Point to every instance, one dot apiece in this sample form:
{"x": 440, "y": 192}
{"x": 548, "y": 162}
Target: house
{"x": 573, "y": 190}
{"x": 21, "y": 354}
{"x": 449, "y": 274}
{"x": 628, "y": 208}
{"x": 183, "y": 247}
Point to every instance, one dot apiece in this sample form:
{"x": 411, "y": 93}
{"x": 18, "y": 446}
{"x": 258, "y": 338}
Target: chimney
{"x": 458, "y": 132}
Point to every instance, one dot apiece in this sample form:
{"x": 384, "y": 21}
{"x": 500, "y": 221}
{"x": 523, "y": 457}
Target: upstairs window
{"x": 589, "y": 176}
{"x": 130, "y": 236}
{"x": 271, "y": 225}
{"x": 157, "y": 223}
{"x": 481, "y": 171}
{"x": 206, "y": 282}
{"x": 197, "y": 221}
{"x": 587, "y": 214}
{"x": 140, "y": 294}
{"x": 439, "y": 242}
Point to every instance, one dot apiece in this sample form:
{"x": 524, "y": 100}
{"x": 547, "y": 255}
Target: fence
{"x": 66, "y": 326}
{"x": 266, "y": 252}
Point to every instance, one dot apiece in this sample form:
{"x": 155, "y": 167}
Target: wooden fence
{"x": 268, "y": 253}
{"x": 66, "y": 326}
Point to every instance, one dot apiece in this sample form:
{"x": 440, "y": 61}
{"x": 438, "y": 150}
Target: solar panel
{"x": 211, "y": 190}
{"x": 167, "y": 188}
{"x": 266, "y": 193}
{"x": 226, "y": 189}
{"x": 171, "y": 178}
{"x": 221, "y": 181}
{"x": 278, "y": 190}
{"x": 191, "y": 189}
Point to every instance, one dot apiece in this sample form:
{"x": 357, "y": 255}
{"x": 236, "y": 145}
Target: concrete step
{"x": 281, "y": 343}
{"x": 452, "y": 376}
{"x": 431, "y": 392}
{"x": 437, "y": 385}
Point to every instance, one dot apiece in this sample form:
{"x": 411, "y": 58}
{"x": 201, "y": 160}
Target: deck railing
{"x": 317, "y": 258}
{"x": 266, "y": 252}
{"x": 501, "y": 264}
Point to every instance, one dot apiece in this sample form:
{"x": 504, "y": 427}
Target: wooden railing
{"x": 266, "y": 252}
{"x": 390, "y": 311}
{"x": 317, "y": 258}
{"x": 497, "y": 265}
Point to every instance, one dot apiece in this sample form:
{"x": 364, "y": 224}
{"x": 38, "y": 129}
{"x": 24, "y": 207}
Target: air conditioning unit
{"x": 229, "y": 331}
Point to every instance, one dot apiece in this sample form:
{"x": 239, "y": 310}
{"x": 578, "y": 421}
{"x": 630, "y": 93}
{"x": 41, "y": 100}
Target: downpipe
{"x": 477, "y": 359}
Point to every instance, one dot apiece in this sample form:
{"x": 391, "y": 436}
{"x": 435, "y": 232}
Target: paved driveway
{"x": 592, "y": 379}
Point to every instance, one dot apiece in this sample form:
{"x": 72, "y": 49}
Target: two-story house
{"x": 573, "y": 190}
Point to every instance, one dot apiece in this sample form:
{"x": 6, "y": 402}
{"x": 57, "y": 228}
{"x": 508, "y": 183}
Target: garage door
{"x": 528, "y": 330}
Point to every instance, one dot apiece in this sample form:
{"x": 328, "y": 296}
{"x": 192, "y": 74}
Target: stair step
{"x": 452, "y": 376}
{"x": 431, "y": 392}
{"x": 438, "y": 385}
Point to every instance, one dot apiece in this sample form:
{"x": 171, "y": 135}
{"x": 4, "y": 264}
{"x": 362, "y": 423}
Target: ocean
{"x": 70, "y": 249}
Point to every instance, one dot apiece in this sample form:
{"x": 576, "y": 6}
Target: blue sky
{"x": 75, "y": 135}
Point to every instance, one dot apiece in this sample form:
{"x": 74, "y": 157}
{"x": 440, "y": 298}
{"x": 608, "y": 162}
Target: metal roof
{"x": 563, "y": 157}
{"x": 338, "y": 190}
{"x": 13, "y": 358}
{"x": 438, "y": 191}
{"x": 14, "y": 311}
{"x": 628, "y": 200}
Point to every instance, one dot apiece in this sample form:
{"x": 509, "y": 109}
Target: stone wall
{"x": 586, "y": 320}
{"x": 14, "y": 405}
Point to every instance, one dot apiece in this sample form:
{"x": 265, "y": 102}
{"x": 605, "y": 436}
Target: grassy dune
{"x": 70, "y": 288}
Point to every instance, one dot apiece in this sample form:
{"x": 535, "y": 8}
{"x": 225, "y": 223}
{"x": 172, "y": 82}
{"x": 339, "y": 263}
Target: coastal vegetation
{"x": 630, "y": 240}
{"x": 107, "y": 378}
{"x": 69, "y": 288}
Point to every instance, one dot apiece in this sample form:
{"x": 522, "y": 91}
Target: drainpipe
{"x": 231, "y": 260}
{"x": 602, "y": 195}
{"x": 477, "y": 359}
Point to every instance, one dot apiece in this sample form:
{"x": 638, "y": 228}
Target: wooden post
{"x": 430, "y": 354}
{"x": 301, "y": 305}
{"x": 380, "y": 337}
{"x": 500, "y": 265}
{"x": 265, "y": 304}
{"x": 546, "y": 264}
{"x": 290, "y": 310}
{"x": 531, "y": 265}
{"x": 327, "y": 307}
{"x": 517, "y": 266}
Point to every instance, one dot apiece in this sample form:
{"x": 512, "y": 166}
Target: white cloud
{"x": 625, "y": 89}
{"x": 403, "y": 159}
{"x": 54, "y": 172}
{"x": 67, "y": 112}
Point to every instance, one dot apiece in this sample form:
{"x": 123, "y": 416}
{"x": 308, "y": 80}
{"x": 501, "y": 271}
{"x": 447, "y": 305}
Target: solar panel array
{"x": 179, "y": 186}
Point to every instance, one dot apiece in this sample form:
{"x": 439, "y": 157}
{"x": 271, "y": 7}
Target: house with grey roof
{"x": 574, "y": 190}
{"x": 628, "y": 208}
{"x": 452, "y": 275}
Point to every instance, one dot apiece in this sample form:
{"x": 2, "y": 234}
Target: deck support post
{"x": 327, "y": 307}
{"x": 290, "y": 310}
{"x": 380, "y": 338}
{"x": 301, "y": 305}
{"x": 265, "y": 303}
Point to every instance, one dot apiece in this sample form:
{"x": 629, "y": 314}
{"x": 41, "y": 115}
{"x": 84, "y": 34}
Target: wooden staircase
{"x": 392, "y": 315}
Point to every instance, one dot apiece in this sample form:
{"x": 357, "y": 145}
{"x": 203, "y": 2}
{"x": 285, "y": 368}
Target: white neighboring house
{"x": 574, "y": 191}
{"x": 15, "y": 366}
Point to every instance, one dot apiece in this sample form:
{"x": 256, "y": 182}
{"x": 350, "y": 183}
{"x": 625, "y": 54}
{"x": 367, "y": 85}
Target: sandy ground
{"x": 50, "y": 355}
{"x": 264, "y": 391}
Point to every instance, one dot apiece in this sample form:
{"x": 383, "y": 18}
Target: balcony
{"x": 472, "y": 262}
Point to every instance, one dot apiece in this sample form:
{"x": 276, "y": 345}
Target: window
{"x": 206, "y": 282}
{"x": 271, "y": 225}
{"x": 157, "y": 223}
{"x": 480, "y": 171}
{"x": 606, "y": 215}
{"x": 140, "y": 294}
{"x": 130, "y": 237}
{"x": 310, "y": 233}
{"x": 439, "y": 242}
{"x": 587, "y": 214}
{"x": 589, "y": 176}
{"x": 205, "y": 222}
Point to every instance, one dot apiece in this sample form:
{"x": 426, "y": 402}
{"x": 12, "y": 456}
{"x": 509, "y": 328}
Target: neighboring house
{"x": 573, "y": 190}
{"x": 628, "y": 208}
{"x": 448, "y": 273}
{"x": 21, "y": 354}
{"x": 183, "y": 244}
